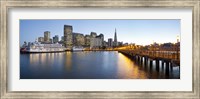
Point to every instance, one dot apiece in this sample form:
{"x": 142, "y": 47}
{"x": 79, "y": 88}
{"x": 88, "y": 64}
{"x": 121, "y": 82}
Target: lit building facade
{"x": 78, "y": 39}
{"x": 101, "y": 36}
{"x": 68, "y": 39}
{"x": 71, "y": 39}
{"x": 46, "y": 36}
{"x": 95, "y": 43}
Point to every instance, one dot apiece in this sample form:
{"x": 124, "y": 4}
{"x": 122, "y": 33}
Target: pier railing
{"x": 169, "y": 55}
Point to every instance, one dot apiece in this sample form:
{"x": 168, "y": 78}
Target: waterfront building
{"x": 87, "y": 40}
{"x": 78, "y": 39}
{"x": 95, "y": 42}
{"x": 93, "y": 34}
{"x": 110, "y": 42}
{"x": 101, "y": 36}
{"x": 115, "y": 43}
{"x": 55, "y": 39}
{"x": 68, "y": 40}
{"x": 105, "y": 44}
{"x": 46, "y": 36}
{"x": 40, "y": 39}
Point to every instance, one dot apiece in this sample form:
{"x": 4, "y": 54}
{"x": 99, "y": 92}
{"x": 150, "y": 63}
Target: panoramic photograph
{"x": 100, "y": 49}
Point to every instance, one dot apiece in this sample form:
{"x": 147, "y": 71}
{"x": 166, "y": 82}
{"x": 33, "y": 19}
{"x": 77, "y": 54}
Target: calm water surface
{"x": 88, "y": 65}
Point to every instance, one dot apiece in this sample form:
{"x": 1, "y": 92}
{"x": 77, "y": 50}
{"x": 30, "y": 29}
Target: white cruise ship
{"x": 37, "y": 47}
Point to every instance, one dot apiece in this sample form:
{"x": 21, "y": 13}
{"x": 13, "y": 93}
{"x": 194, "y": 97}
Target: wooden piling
{"x": 150, "y": 64}
{"x": 157, "y": 64}
{"x": 167, "y": 68}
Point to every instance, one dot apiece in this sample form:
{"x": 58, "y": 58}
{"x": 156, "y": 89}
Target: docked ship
{"x": 37, "y": 47}
{"x": 77, "y": 48}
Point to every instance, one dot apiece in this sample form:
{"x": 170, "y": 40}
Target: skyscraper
{"x": 110, "y": 42}
{"x": 115, "y": 39}
{"x": 46, "y": 36}
{"x": 68, "y": 40}
{"x": 78, "y": 39}
{"x": 101, "y": 37}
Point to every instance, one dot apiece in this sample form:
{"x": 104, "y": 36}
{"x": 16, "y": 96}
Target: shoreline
{"x": 63, "y": 51}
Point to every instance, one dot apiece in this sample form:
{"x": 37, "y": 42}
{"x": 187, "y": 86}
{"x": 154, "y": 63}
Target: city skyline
{"x": 128, "y": 31}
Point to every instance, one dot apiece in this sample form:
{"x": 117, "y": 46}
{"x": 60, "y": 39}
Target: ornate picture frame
{"x": 5, "y": 5}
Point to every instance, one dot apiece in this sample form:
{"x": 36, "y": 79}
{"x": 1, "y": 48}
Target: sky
{"x": 140, "y": 32}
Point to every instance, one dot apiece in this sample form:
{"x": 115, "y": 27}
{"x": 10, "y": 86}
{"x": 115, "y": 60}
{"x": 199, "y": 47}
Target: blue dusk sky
{"x": 140, "y": 32}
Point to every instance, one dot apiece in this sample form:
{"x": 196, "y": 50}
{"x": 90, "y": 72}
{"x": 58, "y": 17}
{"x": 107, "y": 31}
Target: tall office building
{"x": 115, "y": 43}
{"x": 101, "y": 37}
{"x": 110, "y": 42}
{"x": 46, "y": 36}
{"x": 68, "y": 40}
{"x": 78, "y": 39}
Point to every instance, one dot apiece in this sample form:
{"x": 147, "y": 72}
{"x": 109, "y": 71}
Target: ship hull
{"x": 42, "y": 51}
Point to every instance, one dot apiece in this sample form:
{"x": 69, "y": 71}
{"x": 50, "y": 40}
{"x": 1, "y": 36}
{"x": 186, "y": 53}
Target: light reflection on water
{"x": 129, "y": 68}
{"x": 87, "y": 65}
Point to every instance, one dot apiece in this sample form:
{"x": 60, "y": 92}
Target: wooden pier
{"x": 169, "y": 58}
